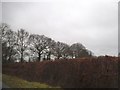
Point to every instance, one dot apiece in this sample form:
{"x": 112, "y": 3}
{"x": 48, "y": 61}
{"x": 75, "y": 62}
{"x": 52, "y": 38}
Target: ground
{"x": 15, "y": 82}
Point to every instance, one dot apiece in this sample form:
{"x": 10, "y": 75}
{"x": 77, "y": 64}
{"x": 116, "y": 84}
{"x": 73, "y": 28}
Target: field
{"x": 94, "y": 72}
{"x": 15, "y": 82}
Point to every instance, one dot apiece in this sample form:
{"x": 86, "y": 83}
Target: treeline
{"x": 21, "y": 46}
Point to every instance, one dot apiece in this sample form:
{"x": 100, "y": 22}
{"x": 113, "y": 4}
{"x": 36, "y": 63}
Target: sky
{"x": 94, "y": 23}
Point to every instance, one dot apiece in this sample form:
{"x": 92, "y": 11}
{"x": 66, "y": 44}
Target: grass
{"x": 15, "y": 82}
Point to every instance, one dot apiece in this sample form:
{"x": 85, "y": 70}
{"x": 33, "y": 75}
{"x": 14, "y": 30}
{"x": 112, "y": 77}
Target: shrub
{"x": 91, "y": 72}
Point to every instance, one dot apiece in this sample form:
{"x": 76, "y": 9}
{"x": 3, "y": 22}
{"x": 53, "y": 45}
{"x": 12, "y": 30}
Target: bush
{"x": 101, "y": 72}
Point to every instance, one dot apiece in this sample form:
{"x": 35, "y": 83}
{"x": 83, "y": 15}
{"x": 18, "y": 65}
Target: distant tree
{"x": 39, "y": 43}
{"x": 18, "y": 45}
{"x": 8, "y": 42}
{"x": 3, "y": 28}
{"x": 50, "y": 49}
{"x": 85, "y": 53}
{"x": 66, "y": 51}
{"x": 78, "y": 50}
{"x": 22, "y": 43}
{"x": 61, "y": 50}
{"x": 4, "y": 53}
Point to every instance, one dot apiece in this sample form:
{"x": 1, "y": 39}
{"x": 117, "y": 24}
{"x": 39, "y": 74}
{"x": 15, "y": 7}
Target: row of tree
{"x": 21, "y": 45}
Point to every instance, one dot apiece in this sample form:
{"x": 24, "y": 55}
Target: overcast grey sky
{"x": 94, "y": 23}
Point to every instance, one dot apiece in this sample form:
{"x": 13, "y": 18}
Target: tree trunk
{"x": 29, "y": 59}
{"x": 58, "y": 57}
{"x": 10, "y": 56}
{"x": 49, "y": 56}
{"x": 39, "y": 56}
{"x": 44, "y": 57}
{"x": 21, "y": 56}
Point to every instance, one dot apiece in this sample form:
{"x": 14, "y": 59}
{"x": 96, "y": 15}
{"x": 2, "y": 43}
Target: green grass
{"x": 15, "y": 82}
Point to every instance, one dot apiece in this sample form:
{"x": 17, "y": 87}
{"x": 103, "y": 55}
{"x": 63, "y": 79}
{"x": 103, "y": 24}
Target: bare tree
{"x": 3, "y": 28}
{"x": 61, "y": 50}
{"x": 66, "y": 51}
{"x": 39, "y": 43}
{"x": 76, "y": 49}
{"x": 8, "y": 42}
{"x": 50, "y": 48}
{"x": 11, "y": 40}
{"x": 85, "y": 53}
{"x": 22, "y": 43}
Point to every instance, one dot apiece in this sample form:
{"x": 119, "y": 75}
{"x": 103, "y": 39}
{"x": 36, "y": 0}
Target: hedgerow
{"x": 100, "y": 72}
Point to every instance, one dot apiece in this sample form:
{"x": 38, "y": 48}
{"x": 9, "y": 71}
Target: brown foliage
{"x": 76, "y": 73}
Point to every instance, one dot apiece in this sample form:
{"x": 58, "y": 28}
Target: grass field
{"x": 15, "y": 82}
